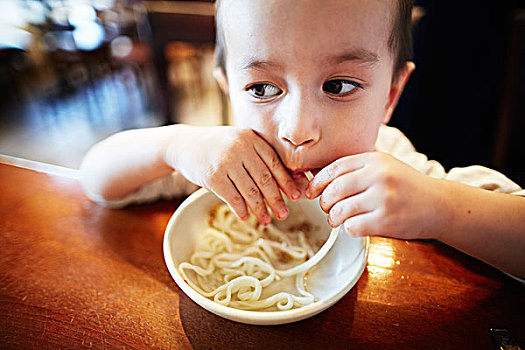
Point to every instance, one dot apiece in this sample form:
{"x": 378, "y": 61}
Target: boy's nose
{"x": 299, "y": 126}
{"x": 298, "y": 139}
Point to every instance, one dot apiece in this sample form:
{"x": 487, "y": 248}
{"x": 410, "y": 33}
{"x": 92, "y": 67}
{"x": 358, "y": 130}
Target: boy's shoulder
{"x": 392, "y": 140}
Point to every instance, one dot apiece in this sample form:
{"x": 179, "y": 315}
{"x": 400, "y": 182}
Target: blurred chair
{"x": 11, "y": 65}
{"x": 14, "y": 62}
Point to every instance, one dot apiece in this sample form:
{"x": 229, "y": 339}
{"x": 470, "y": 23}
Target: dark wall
{"x": 451, "y": 105}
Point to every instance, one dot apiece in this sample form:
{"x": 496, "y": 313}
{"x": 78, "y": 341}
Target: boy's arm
{"x": 487, "y": 225}
{"x": 124, "y": 162}
{"x": 236, "y": 164}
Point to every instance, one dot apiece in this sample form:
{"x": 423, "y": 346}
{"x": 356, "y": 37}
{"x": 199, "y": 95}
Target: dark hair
{"x": 400, "y": 40}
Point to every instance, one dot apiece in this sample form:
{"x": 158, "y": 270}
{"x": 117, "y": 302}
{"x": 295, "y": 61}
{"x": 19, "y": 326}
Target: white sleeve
{"x": 171, "y": 186}
{"x": 482, "y": 177}
{"x": 391, "y": 140}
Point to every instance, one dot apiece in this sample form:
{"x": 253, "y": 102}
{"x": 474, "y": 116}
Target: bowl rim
{"x": 248, "y": 316}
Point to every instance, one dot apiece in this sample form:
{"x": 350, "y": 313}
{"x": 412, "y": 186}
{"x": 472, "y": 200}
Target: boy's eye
{"x": 339, "y": 86}
{"x": 264, "y": 91}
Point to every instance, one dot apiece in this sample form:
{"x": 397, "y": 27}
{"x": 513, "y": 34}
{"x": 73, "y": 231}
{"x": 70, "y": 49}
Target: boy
{"x": 310, "y": 84}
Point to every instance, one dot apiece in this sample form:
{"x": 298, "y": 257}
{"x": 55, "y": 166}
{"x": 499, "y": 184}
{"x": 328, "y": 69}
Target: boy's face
{"x": 313, "y": 78}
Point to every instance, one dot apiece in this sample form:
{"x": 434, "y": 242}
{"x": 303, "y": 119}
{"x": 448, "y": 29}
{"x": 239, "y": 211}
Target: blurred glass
{"x": 88, "y": 35}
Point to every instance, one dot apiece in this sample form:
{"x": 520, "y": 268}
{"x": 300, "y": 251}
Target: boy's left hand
{"x": 376, "y": 194}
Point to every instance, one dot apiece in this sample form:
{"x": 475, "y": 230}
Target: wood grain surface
{"x": 76, "y": 275}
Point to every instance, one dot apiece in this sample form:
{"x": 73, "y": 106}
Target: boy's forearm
{"x": 125, "y": 161}
{"x": 487, "y": 225}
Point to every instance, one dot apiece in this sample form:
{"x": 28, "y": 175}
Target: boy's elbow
{"x": 101, "y": 193}
{"x": 95, "y": 180}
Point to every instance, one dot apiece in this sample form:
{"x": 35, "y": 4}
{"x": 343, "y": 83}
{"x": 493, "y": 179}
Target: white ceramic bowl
{"x": 328, "y": 281}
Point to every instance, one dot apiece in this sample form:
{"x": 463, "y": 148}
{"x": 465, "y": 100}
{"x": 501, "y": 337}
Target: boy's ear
{"x": 220, "y": 77}
{"x": 396, "y": 89}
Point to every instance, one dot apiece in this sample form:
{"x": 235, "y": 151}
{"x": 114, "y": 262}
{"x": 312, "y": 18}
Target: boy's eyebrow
{"x": 250, "y": 62}
{"x": 360, "y": 55}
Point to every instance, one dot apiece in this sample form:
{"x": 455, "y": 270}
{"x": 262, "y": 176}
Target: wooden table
{"x": 76, "y": 275}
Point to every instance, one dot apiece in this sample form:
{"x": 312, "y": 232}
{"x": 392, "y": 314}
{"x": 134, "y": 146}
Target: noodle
{"x": 235, "y": 261}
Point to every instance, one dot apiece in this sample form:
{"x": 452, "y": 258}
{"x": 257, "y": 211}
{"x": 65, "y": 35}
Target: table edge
{"x": 40, "y": 167}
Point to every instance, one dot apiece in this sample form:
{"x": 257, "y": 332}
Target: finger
{"x": 332, "y": 171}
{"x": 342, "y": 187}
{"x": 227, "y": 191}
{"x": 361, "y": 225}
{"x": 267, "y": 185}
{"x": 278, "y": 170}
{"x": 251, "y": 194}
{"x": 350, "y": 207}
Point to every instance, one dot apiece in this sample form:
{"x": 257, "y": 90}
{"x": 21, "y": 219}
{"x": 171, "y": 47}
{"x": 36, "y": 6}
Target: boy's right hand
{"x": 237, "y": 165}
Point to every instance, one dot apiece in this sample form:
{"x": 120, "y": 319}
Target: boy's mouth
{"x": 298, "y": 174}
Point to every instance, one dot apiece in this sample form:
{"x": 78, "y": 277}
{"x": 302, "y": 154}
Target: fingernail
{"x": 296, "y": 195}
{"x": 307, "y": 193}
{"x": 283, "y": 213}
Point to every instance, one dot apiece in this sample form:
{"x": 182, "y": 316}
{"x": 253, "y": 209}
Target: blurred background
{"x": 73, "y": 72}
{"x": 465, "y": 103}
